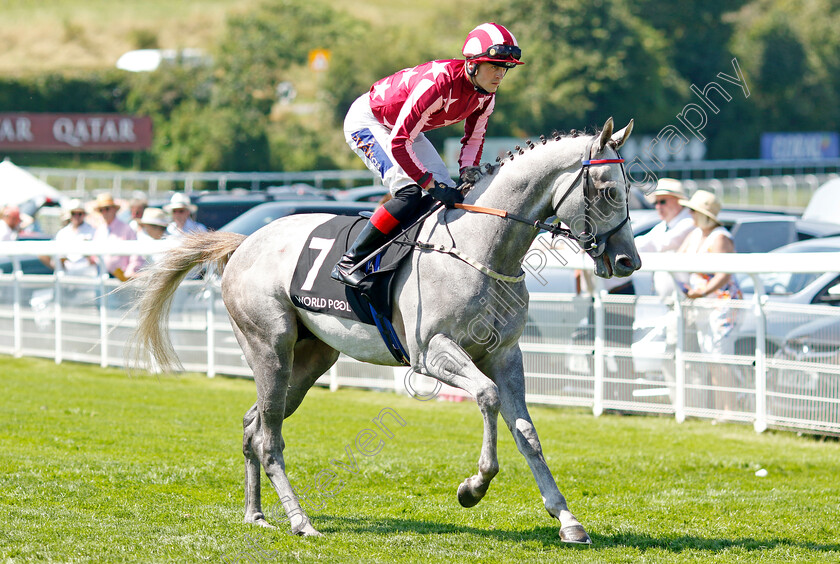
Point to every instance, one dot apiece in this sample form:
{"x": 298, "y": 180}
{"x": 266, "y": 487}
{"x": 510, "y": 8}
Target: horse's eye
{"x": 612, "y": 194}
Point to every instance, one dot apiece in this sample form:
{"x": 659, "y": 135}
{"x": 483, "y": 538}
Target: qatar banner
{"x": 78, "y": 133}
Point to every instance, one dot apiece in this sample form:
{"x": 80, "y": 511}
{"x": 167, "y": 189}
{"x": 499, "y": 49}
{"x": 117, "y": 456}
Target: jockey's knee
{"x": 403, "y": 206}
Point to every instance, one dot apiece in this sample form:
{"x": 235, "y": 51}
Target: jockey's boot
{"x": 368, "y": 241}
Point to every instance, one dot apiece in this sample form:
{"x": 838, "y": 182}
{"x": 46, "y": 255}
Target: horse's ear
{"x": 621, "y": 135}
{"x": 606, "y": 133}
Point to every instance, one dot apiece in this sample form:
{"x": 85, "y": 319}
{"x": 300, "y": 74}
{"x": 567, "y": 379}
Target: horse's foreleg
{"x": 510, "y": 378}
{"x": 447, "y": 361}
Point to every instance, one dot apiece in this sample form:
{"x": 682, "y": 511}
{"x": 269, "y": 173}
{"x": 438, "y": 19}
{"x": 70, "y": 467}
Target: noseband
{"x": 593, "y": 243}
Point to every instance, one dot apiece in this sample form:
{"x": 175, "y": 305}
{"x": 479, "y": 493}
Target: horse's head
{"x": 595, "y": 204}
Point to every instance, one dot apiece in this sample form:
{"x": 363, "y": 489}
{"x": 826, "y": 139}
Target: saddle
{"x": 312, "y": 288}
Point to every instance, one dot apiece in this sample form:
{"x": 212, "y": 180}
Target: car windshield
{"x": 255, "y": 218}
{"x": 778, "y": 283}
{"x": 786, "y": 283}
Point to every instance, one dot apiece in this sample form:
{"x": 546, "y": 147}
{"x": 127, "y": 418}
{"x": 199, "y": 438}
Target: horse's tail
{"x": 150, "y": 346}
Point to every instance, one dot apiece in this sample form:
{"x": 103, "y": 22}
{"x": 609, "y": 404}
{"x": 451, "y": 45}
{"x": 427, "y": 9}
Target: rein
{"x": 593, "y": 243}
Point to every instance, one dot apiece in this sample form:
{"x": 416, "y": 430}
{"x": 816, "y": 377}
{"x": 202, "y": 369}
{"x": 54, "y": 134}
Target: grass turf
{"x": 99, "y": 466}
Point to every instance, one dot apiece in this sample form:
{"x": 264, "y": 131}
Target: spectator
{"x": 715, "y": 324}
{"x": 10, "y": 225}
{"x": 112, "y": 229}
{"x": 76, "y": 230}
{"x": 153, "y": 227}
{"x": 137, "y": 205}
{"x": 676, "y": 223}
{"x": 668, "y": 234}
{"x": 181, "y": 209}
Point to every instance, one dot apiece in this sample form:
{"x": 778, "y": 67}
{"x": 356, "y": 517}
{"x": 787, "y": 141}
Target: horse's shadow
{"x": 548, "y": 536}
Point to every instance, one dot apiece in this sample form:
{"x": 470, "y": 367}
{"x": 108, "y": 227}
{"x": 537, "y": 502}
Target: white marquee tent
{"x": 18, "y": 186}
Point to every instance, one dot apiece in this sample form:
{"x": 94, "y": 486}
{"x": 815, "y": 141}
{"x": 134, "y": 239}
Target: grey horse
{"x": 467, "y": 263}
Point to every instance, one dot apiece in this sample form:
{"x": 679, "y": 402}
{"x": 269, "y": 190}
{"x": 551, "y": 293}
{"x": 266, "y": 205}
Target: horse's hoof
{"x": 259, "y": 519}
{"x": 575, "y": 534}
{"x": 307, "y": 530}
{"x": 469, "y": 497}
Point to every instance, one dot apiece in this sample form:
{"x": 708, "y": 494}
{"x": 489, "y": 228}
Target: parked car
{"x": 29, "y": 264}
{"x": 372, "y": 193}
{"x": 216, "y": 210}
{"x": 638, "y": 327}
{"x": 819, "y": 288}
{"x": 811, "y": 392}
{"x": 263, "y": 214}
{"x": 298, "y": 191}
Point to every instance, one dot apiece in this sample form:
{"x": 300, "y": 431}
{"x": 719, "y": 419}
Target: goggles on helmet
{"x": 500, "y": 53}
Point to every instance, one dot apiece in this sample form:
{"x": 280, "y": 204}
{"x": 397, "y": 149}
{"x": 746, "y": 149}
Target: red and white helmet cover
{"x": 492, "y": 43}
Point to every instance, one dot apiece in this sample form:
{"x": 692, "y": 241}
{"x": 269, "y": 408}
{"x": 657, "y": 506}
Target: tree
{"x": 260, "y": 46}
{"x": 584, "y": 62}
{"x": 792, "y": 53}
{"x": 697, "y": 33}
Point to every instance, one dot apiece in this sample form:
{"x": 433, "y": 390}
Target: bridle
{"x": 593, "y": 243}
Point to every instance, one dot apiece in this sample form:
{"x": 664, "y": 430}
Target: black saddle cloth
{"x": 313, "y": 289}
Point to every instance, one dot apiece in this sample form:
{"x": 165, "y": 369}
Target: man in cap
{"x": 77, "y": 230}
{"x": 182, "y": 223}
{"x": 667, "y": 235}
{"x": 676, "y": 224}
{"x": 137, "y": 205}
{"x": 112, "y": 229}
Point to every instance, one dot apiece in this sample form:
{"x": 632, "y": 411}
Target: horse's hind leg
{"x": 268, "y": 338}
{"x": 311, "y": 359}
{"x": 251, "y": 445}
{"x": 509, "y": 375}
{"x": 449, "y": 363}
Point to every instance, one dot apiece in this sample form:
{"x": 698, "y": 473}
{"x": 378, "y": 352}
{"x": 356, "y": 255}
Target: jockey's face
{"x": 488, "y": 76}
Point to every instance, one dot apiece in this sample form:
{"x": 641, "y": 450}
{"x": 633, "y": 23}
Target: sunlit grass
{"x": 98, "y": 466}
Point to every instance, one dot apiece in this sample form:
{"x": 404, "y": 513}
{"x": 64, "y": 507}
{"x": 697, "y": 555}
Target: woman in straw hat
{"x": 715, "y": 325}
{"x": 153, "y": 226}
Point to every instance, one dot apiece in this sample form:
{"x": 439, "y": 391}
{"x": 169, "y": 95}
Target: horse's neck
{"x": 522, "y": 187}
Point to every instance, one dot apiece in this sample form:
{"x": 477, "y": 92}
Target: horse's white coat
{"x": 438, "y": 301}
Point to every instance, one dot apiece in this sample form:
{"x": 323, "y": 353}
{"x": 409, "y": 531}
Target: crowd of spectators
{"x": 98, "y": 220}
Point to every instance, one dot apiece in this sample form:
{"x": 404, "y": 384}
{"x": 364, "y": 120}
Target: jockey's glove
{"x": 443, "y": 193}
{"x": 469, "y": 176}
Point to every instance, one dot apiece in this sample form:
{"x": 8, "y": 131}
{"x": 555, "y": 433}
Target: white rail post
{"x": 17, "y": 320}
{"x": 58, "y": 275}
{"x": 759, "y": 298}
{"x": 598, "y": 358}
{"x": 334, "y": 377}
{"x": 103, "y": 316}
{"x": 679, "y": 359}
{"x": 210, "y": 295}
{"x": 790, "y": 182}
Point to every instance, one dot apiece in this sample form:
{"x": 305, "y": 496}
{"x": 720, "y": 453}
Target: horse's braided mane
{"x": 555, "y": 136}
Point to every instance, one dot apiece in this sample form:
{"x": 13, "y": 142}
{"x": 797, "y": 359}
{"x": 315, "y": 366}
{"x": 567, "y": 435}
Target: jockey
{"x": 385, "y": 128}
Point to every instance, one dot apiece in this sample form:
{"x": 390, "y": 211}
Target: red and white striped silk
{"x": 429, "y": 96}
